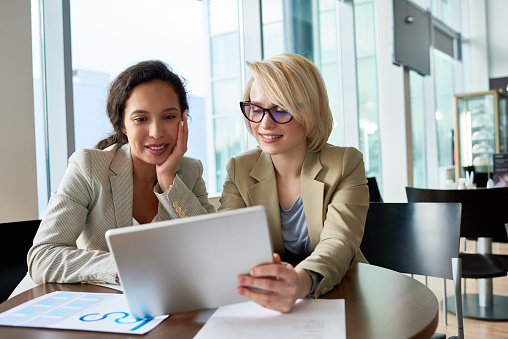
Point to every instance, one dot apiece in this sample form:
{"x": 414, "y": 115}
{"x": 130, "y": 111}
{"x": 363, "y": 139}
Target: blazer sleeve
{"x": 188, "y": 195}
{"x": 343, "y": 228}
{"x": 54, "y": 255}
{"x": 231, "y": 197}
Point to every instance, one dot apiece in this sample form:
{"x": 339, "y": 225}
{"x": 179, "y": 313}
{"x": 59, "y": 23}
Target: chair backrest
{"x": 374, "y": 193}
{"x": 415, "y": 238}
{"x": 13, "y": 265}
{"x": 484, "y": 211}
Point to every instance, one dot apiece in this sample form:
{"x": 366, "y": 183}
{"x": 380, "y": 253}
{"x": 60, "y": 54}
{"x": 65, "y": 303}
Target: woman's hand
{"x": 166, "y": 170}
{"x": 275, "y": 286}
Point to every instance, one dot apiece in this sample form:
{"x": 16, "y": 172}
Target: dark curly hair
{"x": 121, "y": 89}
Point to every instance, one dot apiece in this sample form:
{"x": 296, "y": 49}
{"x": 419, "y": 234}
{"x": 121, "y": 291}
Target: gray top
{"x": 295, "y": 236}
{"x": 294, "y": 230}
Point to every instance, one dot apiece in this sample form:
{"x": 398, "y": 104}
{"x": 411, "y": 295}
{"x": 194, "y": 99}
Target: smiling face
{"x": 151, "y": 119}
{"x": 274, "y": 138}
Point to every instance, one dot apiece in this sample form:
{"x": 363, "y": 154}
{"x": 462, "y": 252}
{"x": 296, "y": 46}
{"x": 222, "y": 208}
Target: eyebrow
{"x": 257, "y": 104}
{"x": 166, "y": 110}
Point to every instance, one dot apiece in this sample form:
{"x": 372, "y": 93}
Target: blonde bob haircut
{"x": 294, "y": 83}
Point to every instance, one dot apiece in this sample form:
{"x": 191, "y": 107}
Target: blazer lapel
{"x": 312, "y": 195}
{"x": 264, "y": 192}
{"x": 121, "y": 185}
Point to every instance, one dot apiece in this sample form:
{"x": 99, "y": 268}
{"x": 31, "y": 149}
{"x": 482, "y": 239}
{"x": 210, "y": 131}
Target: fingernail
{"x": 182, "y": 122}
{"x": 253, "y": 273}
{"x": 241, "y": 291}
{"x": 241, "y": 280}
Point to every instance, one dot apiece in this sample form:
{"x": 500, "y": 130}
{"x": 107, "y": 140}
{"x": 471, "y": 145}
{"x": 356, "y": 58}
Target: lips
{"x": 157, "y": 149}
{"x": 269, "y": 138}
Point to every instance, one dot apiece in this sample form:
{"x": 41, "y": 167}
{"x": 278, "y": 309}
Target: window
{"x": 418, "y": 108}
{"x": 39, "y": 117}
{"x": 444, "y": 91}
{"x": 110, "y": 35}
{"x": 123, "y": 33}
{"x": 310, "y": 29}
{"x": 227, "y": 121}
{"x": 367, "y": 87}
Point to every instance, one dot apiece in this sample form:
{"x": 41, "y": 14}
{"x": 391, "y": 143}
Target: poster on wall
{"x": 500, "y": 174}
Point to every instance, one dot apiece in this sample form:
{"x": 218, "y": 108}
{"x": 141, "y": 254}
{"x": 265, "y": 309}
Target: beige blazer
{"x": 335, "y": 200}
{"x": 95, "y": 195}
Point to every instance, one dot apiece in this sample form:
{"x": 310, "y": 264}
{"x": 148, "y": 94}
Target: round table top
{"x": 380, "y": 303}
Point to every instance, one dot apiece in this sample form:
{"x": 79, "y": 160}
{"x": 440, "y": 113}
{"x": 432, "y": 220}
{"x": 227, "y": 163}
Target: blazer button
{"x": 175, "y": 204}
{"x": 178, "y": 209}
{"x": 181, "y": 214}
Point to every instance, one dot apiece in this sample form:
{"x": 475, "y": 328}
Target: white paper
{"x": 309, "y": 318}
{"x": 103, "y": 312}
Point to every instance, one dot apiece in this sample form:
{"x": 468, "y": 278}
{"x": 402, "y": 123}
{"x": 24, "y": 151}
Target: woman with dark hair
{"x": 137, "y": 175}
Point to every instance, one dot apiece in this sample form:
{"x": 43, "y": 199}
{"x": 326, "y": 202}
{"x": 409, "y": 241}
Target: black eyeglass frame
{"x": 265, "y": 110}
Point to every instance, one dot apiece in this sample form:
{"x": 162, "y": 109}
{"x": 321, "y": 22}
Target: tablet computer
{"x": 190, "y": 263}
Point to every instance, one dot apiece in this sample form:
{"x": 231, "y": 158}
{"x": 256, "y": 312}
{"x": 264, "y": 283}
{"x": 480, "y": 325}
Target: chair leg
{"x": 445, "y": 309}
{"x": 457, "y": 274}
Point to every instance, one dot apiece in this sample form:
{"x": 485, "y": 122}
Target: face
{"x": 274, "y": 138}
{"x": 152, "y": 116}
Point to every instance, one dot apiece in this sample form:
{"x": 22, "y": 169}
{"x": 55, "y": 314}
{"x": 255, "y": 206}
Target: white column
{"x": 18, "y": 176}
{"x": 392, "y": 120}
{"x": 475, "y": 46}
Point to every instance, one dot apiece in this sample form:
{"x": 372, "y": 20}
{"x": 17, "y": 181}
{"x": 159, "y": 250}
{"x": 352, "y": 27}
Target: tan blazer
{"x": 95, "y": 195}
{"x": 335, "y": 200}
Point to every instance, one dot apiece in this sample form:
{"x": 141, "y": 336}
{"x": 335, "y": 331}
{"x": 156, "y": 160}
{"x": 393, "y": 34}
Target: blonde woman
{"x": 316, "y": 194}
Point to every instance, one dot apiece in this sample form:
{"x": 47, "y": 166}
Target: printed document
{"x": 103, "y": 312}
{"x": 309, "y": 318}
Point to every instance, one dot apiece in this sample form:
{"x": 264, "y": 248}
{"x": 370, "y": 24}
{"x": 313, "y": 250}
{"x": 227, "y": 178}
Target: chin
{"x": 270, "y": 150}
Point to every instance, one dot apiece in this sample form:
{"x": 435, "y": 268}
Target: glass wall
{"x": 39, "y": 116}
{"x": 328, "y": 62}
{"x": 228, "y": 132}
{"x": 210, "y": 57}
{"x": 123, "y": 33}
{"x": 365, "y": 36}
{"x": 444, "y": 91}
{"x": 418, "y": 109}
{"x": 308, "y": 28}
{"x": 272, "y": 16}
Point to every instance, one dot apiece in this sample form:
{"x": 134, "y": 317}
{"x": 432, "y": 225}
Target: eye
{"x": 170, "y": 117}
{"x": 139, "y": 119}
{"x": 280, "y": 111}
{"x": 256, "y": 110}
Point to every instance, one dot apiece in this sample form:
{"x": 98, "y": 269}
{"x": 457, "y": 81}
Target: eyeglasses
{"x": 255, "y": 113}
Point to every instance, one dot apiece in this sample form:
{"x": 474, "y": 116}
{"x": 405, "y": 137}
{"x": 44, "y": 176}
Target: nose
{"x": 155, "y": 130}
{"x": 267, "y": 122}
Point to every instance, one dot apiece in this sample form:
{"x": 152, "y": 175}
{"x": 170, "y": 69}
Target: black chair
{"x": 13, "y": 265}
{"x": 416, "y": 238}
{"x": 375, "y": 195}
{"x": 484, "y": 215}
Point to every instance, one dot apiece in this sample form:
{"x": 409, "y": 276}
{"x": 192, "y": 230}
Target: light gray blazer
{"x": 95, "y": 195}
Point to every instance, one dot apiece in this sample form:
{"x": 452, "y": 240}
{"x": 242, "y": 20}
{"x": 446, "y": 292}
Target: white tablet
{"x": 190, "y": 263}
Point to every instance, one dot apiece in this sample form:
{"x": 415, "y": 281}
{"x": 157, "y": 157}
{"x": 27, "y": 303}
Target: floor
{"x": 472, "y": 328}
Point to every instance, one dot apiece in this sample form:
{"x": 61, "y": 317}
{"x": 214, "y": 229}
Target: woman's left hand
{"x": 275, "y": 286}
{"x": 166, "y": 170}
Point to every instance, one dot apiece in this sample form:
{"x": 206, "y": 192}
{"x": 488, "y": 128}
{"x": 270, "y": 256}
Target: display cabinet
{"x": 481, "y": 129}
